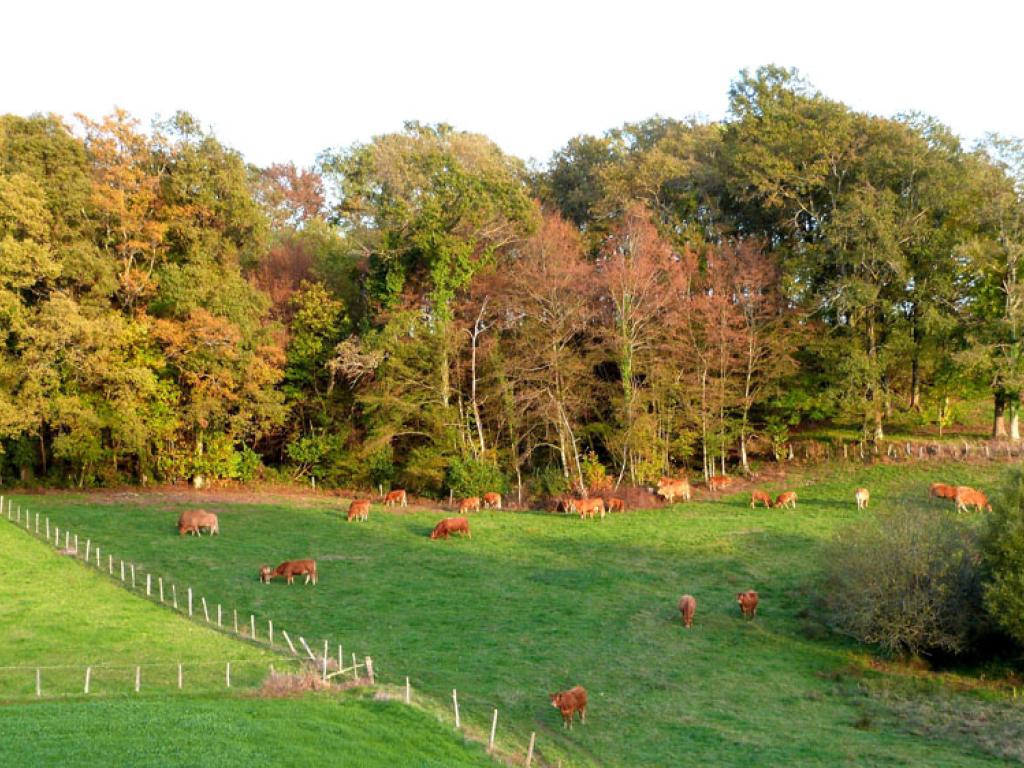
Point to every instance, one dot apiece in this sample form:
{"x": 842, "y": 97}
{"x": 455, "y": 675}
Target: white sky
{"x": 281, "y": 81}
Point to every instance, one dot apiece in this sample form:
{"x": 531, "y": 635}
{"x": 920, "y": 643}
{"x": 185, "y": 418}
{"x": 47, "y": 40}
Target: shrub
{"x": 595, "y": 476}
{"x": 472, "y": 477}
{"x": 907, "y": 581}
{"x": 1003, "y": 546}
{"x": 548, "y": 482}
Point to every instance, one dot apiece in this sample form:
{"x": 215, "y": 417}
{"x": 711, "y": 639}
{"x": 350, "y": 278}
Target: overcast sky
{"x": 282, "y": 81}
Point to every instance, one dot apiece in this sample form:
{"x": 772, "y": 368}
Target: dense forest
{"x": 423, "y": 310}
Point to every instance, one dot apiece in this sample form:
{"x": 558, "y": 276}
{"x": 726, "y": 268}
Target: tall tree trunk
{"x": 1013, "y": 406}
{"x": 999, "y": 414}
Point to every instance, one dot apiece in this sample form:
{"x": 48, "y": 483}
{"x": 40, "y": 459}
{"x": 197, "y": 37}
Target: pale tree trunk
{"x": 478, "y": 329}
{"x": 999, "y": 414}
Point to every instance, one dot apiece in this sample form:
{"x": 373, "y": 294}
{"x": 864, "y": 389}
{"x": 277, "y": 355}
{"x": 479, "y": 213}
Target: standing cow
{"x": 863, "y": 496}
{"x": 472, "y": 504}
{"x": 687, "y": 607}
{"x": 569, "y": 703}
{"x": 748, "y": 603}
{"x": 492, "y": 500}
{"x": 669, "y": 488}
{"x": 396, "y": 497}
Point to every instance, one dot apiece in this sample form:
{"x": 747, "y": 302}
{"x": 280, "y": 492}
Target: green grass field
{"x": 60, "y": 616}
{"x": 536, "y": 603}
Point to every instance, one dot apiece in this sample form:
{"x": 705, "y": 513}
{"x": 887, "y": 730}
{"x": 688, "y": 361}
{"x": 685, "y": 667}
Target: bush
{"x": 472, "y": 477}
{"x": 548, "y": 482}
{"x": 1003, "y": 546}
{"x": 907, "y": 581}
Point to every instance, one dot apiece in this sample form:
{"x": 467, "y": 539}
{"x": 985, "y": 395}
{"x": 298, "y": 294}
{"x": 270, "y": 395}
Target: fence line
{"x": 128, "y": 579}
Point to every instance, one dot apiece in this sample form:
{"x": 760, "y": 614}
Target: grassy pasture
{"x": 535, "y": 603}
{"x": 61, "y": 616}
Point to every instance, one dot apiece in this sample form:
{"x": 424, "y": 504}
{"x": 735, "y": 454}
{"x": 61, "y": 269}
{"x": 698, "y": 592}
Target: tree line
{"x": 425, "y": 310}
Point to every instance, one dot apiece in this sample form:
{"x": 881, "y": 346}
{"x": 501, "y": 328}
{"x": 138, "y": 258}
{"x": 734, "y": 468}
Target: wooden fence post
{"x": 408, "y": 691}
{"x": 122, "y": 570}
{"x": 174, "y": 595}
{"x": 252, "y": 626}
{"x": 37, "y": 528}
{"x": 133, "y": 574}
{"x": 270, "y": 630}
{"x": 235, "y": 611}
{"x": 149, "y": 584}
{"x": 341, "y": 658}
{"x": 98, "y": 556}
{"x": 88, "y": 676}
{"x": 306, "y": 646}
{"x": 227, "y": 675}
{"x": 138, "y": 678}
{"x": 355, "y": 668}
{"x": 325, "y": 662}
{"x": 455, "y": 703}
{"x": 39, "y": 674}
{"x": 494, "y": 727}
{"x": 220, "y": 615}
{"x": 160, "y": 584}
{"x": 180, "y": 677}
{"x": 289, "y": 641}
{"x": 88, "y": 547}
{"x": 369, "y": 669}
{"x": 190, "y": 601}
{"x": 56, "y": 538}
{"x": 47, "y": 529}
{"x": 206, "y": 611}
{"x": 110, "y": 564}
{"x": 529, "y": 752}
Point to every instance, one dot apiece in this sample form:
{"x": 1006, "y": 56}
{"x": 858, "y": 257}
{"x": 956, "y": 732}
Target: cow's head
{"x": 556, "y": 699}
{"x": 265, "y": 573}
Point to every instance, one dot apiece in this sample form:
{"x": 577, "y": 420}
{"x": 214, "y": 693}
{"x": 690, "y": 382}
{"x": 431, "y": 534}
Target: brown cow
{"x": 970, "y": 497}
{"x": 569, "y": 703}
{"x": 492, "y": 500}
{"x": 398, "y": 496}
{"x": 587, "y": 507}
{"x": 615, "y": 505}
{"x": 760, "y": 497}
{"x": 748, "y": 603}
{"x": 687, "y": 607}
{"x": 472, "y": 504}
{"x": 669, "y": 488}
{"x": 449, "y": 526}
{"x": 942, "y": 491}
{"x": 718, "y": 482}
{"x": 290, "y": 569}
{"x": 359, "y": 510}
{"x": 786, "y": 499}
{"x": 193, "y": 520}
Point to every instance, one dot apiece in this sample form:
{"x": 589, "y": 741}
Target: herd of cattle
{"x": 574, "y": 700}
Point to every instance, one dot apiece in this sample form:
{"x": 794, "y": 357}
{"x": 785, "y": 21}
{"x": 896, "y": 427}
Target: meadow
{"x": 536, "y": 602}
{"x": 61, "y": 617}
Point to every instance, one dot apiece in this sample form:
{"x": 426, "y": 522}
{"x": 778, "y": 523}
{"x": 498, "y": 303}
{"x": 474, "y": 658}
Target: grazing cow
{"x": 472, "y": 504}
{"x": 290, "y": 569}
{"x": 397, "y": 496}
{"x": 863, "y": 496}
{"x": 760, "y": 497}
{"x": 451, "y": 525}
{"x": 669, "y": 488}
{"x": 748, "y": 603}
{"x": 193, "y": 520}
{"x": 569, "y": 703}
{"x": 359, "y": 510}
{"x": 687, "y": 607}
{"x": 969, "y": 497}
{"x": 587, "y": 507}
{"x": 615, "y": 505}
{"x": 942, "y": 491}
{"x": 786, "y": 500}
{"x": 492, "y": 500}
